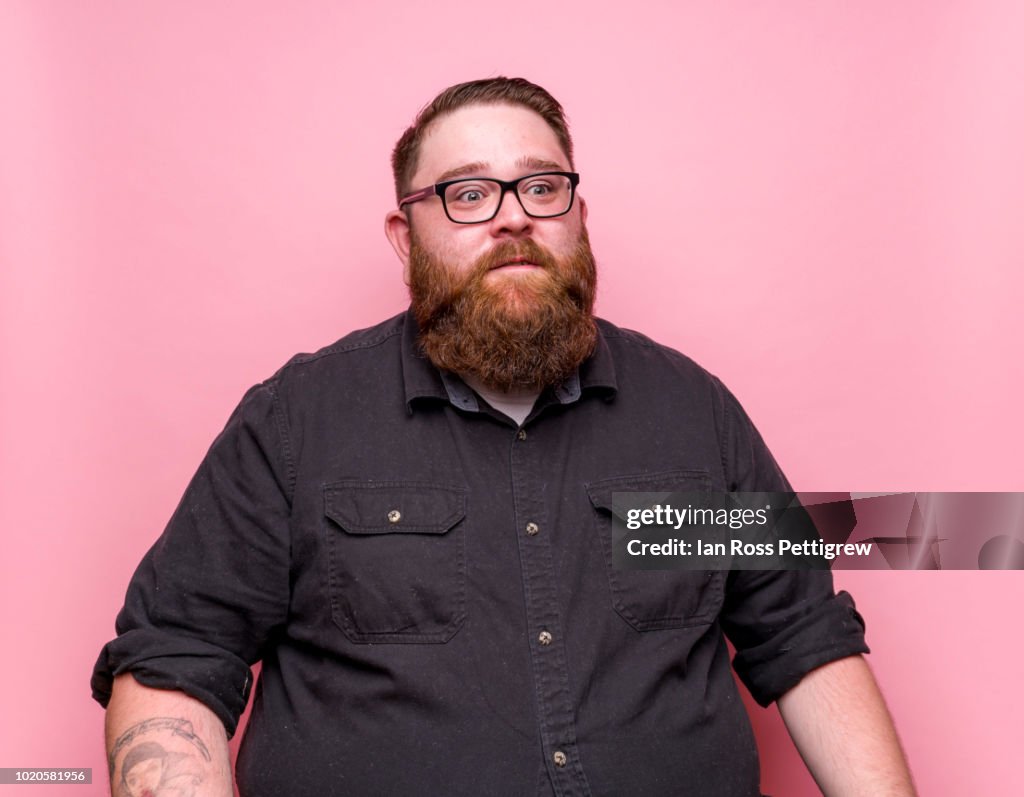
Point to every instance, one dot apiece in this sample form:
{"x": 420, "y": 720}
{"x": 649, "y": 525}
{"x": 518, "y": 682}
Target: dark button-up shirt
{"x": 429, "y": 586}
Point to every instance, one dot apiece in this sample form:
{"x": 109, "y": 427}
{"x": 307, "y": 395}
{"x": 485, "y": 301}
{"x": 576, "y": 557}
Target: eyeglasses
{"x": 473, "y": 200}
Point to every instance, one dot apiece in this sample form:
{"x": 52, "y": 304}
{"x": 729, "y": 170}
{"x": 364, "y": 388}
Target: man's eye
{"x": 539, "y": 189}
{"x": 470, "y": 195}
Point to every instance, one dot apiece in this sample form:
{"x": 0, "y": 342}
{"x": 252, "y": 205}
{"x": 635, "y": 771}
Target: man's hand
{"x": 840, "y": 725}
{"x": 164, "y": 742}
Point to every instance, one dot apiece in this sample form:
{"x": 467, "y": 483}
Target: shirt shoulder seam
{"x": 725, "y": 413}
{"x": 285, "y": 435}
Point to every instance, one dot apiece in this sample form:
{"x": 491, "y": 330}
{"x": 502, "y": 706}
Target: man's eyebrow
{"x": 480, "y": 168}
{"x": 477, "y": 168}
{"x": 540, "y": 163}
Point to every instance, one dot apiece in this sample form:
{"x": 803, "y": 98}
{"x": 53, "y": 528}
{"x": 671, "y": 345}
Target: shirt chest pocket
{"x": 396, "y": 560}
{"x": 652, "y": 600}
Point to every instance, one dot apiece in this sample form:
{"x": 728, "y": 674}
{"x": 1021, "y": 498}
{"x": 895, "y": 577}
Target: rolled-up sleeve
{"x": 210, "y": 593}
{"x": 783, "y": 623}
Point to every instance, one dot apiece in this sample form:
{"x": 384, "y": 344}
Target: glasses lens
{"x": 476, "y": 200}
{"x": 472, "y": 200}
{"x": 545, "y": 194}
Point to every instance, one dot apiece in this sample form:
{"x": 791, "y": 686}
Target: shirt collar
{"x": 597, "y": 372}
{"x": 459, "y": 393}
{"x": 424, "y": 381}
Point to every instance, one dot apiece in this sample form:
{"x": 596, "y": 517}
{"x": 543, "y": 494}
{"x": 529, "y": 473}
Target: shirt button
{"x": 394, "y": 516}
{"x": 559, "y": 758}
{"x": 521, "y": 434}
{"x": 532, "y": 529}
{"x": 544, "y": 638}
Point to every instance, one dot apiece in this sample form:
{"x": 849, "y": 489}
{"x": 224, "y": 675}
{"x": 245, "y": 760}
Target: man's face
{"x": 501, "y": 141}
{"x": 143, "y": 779}
{"x": 509, "y": 300}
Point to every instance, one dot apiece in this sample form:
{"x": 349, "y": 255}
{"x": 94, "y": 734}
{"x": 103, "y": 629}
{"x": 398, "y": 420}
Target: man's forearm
{"x": 843, "y": 730}
{"x": 160, "y": 739}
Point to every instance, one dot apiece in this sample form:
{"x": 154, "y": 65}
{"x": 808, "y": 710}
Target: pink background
{"x": 820, "y": 202}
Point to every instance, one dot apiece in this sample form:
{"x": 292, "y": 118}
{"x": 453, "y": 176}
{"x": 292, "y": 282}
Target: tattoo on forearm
{"x": 159, "y": 756}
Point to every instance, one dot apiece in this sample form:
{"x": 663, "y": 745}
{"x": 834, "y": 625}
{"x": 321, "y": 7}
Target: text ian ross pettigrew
{"x": 667, "y": 516}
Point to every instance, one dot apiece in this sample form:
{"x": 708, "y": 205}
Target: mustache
{"x": 507, "y": 251}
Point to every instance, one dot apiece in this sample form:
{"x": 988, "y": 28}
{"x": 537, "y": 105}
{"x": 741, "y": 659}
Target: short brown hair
{"x": 508, "y": 90}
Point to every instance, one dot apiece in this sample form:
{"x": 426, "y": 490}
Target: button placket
{"x": 555, "y": 713}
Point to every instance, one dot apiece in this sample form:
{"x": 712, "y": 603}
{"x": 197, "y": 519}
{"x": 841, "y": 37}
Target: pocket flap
{"x": 394, "y": 507}
{"x": 666, "y": 482}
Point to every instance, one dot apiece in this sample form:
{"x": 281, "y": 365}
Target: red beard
{"x": 515, "y": 331}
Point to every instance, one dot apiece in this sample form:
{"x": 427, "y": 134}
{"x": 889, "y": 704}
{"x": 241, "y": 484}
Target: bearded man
{"x": 411, "y": 530}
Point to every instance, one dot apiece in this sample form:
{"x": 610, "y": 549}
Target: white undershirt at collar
{"x": 516, "y": 404}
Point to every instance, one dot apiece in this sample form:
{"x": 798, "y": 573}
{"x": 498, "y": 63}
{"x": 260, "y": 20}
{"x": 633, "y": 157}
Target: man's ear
{"x": 396, "y": 228}
{"x": 583, "y": 208}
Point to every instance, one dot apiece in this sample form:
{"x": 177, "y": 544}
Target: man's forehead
{"x": 484, "y": 139}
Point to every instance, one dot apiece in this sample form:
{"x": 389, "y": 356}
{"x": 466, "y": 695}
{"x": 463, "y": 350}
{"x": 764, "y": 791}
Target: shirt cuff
{"x": 206, "y": 672}
{"x": 834, "y": 630}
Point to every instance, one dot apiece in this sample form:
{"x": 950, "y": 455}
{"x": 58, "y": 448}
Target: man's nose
{"x": 511, "y": 219}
